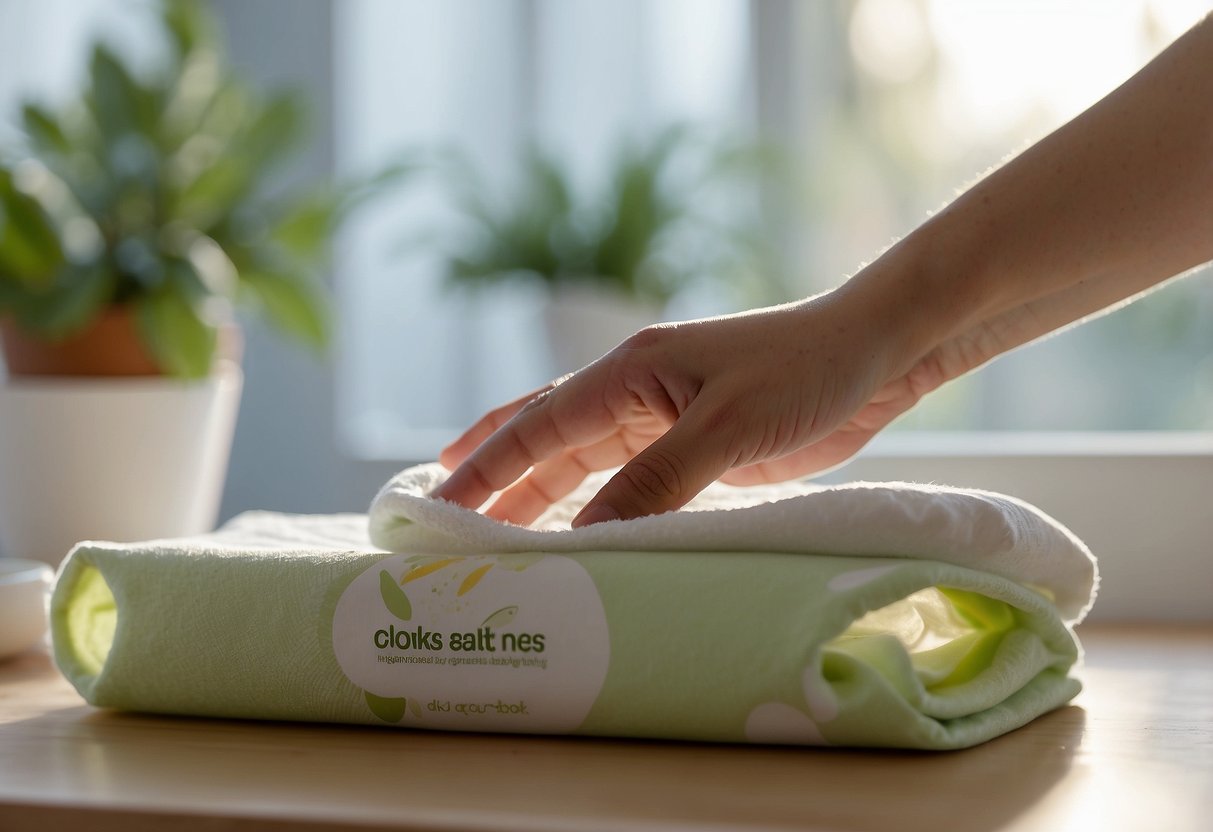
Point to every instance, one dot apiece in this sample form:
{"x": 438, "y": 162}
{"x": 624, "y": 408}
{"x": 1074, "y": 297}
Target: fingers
{"x": 528, "y": 438}
{"x": 555, "y": 479}
{"x": 531, "y": 496}
{"x": 564, "y": 416}
{"x": 662, "y": 477}
{"x": 459, "y": 450}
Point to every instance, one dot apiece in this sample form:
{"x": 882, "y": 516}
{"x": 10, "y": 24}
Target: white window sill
{"x": 895, "y": 444}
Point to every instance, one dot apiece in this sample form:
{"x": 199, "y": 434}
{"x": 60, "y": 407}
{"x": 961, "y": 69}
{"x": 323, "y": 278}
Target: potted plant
{"x": 673, "y": 211}
{"x": 131, "y": 223}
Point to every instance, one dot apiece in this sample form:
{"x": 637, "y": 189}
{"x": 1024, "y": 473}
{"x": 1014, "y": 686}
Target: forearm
{"x": 1108, "y": 205}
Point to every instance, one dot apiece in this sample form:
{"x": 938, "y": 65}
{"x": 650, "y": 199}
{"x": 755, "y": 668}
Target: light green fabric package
{"x": 663, "y": 627}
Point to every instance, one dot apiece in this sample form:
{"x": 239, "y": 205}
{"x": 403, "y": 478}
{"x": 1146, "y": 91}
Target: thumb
{"x": 662, "y": 477}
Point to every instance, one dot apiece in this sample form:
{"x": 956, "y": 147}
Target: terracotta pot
{"x": 109, "y": 347}
{"x": 92, "y": 424}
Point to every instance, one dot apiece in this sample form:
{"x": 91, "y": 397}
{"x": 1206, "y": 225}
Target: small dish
{"x": 24, "y": 586}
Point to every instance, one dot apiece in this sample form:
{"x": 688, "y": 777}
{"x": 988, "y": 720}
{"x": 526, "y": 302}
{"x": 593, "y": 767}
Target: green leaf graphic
{"x": 414, "y": 708}
{"x": 394, "y": 599}
{"x": 500, "y": 618}
{"x": 389, "y": 710}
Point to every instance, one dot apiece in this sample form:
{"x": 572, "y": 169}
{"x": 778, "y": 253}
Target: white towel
{"x": 976, "y": 529}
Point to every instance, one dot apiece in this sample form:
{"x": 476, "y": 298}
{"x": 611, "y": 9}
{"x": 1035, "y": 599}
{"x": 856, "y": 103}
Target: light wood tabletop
{"x": 1135, "y": 752}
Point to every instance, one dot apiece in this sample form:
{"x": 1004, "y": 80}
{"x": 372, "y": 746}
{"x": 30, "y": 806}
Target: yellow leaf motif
{"x": 426, "y": 569}
{"x": 473, "y": 579}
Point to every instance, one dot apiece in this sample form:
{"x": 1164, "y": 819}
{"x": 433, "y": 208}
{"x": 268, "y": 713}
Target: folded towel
{"x": 871, "y": 614}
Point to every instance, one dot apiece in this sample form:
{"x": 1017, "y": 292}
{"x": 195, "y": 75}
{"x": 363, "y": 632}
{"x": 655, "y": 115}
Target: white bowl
{"x": 24, "y": 587}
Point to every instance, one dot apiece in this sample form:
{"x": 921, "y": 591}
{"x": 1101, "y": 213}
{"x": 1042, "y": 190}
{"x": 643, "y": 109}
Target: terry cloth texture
{"x": 886, "y": 614}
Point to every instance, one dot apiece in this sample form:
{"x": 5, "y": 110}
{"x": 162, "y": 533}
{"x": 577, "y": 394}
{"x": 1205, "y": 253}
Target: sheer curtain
{"x": 885, "y": 107}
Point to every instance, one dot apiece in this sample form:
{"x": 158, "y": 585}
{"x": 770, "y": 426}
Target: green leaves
{"x": 305, "y": 229}
{"x": 638, "y": 213}
{"x": 188, "y": 25}
{"x": 528, "y": 233}
{"x": 30, "y": 250}
{"x": 118, "y": 103}
{"x": 646, "y": 232}
{"x": 56, "y": 311}
{"x": 44, "y": 130}
{"x": 214, "y": 192}
{"x": 293, "y": 306}
{"x": 305, "y": 225}
{"x": 181, "y": 341}
{"x": 144, "y": 167}
{"x": 228, "y": 181}
{"x": 273, "y": 129}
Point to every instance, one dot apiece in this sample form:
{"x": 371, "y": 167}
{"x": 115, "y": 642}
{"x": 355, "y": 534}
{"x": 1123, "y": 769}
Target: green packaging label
{"x": 476, "y": 643}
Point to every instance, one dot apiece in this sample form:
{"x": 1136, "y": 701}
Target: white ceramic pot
{"x": 111, "y": 459}
{"x": 583, "y": 322}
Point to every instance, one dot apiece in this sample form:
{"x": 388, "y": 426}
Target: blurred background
{"x": 647, "y": 160}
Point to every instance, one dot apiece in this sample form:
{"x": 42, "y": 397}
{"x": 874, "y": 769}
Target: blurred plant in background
{"x": 677, "y": 209}
{"x": 148, "y": 193}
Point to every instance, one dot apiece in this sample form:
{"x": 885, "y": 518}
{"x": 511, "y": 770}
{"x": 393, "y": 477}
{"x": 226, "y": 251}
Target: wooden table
{"x": 1135, "y": 753}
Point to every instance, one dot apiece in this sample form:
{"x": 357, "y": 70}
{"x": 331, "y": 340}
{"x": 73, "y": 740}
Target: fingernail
{"x": 440, "y": 492}
{"x": 594, "y": 514}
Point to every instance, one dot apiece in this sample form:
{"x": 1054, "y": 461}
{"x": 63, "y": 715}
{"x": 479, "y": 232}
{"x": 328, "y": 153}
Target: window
{"x": 947, "y": 92}
{"x": 889, "y": 105}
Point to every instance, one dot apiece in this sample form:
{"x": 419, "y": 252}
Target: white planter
{"x": 583, "y": 322}
{"x": 111, "y": 459}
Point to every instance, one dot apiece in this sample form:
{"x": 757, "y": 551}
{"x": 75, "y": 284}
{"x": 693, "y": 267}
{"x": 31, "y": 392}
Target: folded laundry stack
{"x": 886, "y": 614}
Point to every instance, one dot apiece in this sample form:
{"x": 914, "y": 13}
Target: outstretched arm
{"x": 1107, "y": 206}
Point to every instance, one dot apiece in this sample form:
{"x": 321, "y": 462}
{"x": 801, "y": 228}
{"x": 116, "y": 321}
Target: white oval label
{"x": 478, "y": 643}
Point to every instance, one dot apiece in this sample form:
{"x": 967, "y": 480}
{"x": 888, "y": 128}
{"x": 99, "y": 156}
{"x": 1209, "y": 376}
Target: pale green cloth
{"x": 300, "y": 618}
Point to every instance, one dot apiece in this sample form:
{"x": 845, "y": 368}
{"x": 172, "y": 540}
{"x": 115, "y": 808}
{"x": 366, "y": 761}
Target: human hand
{"x": 756, "y": 397}
{"x": 1100, "y": 210}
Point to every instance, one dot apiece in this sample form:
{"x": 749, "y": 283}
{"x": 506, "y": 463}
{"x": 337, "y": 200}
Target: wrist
{"x": 924, "y": 290}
